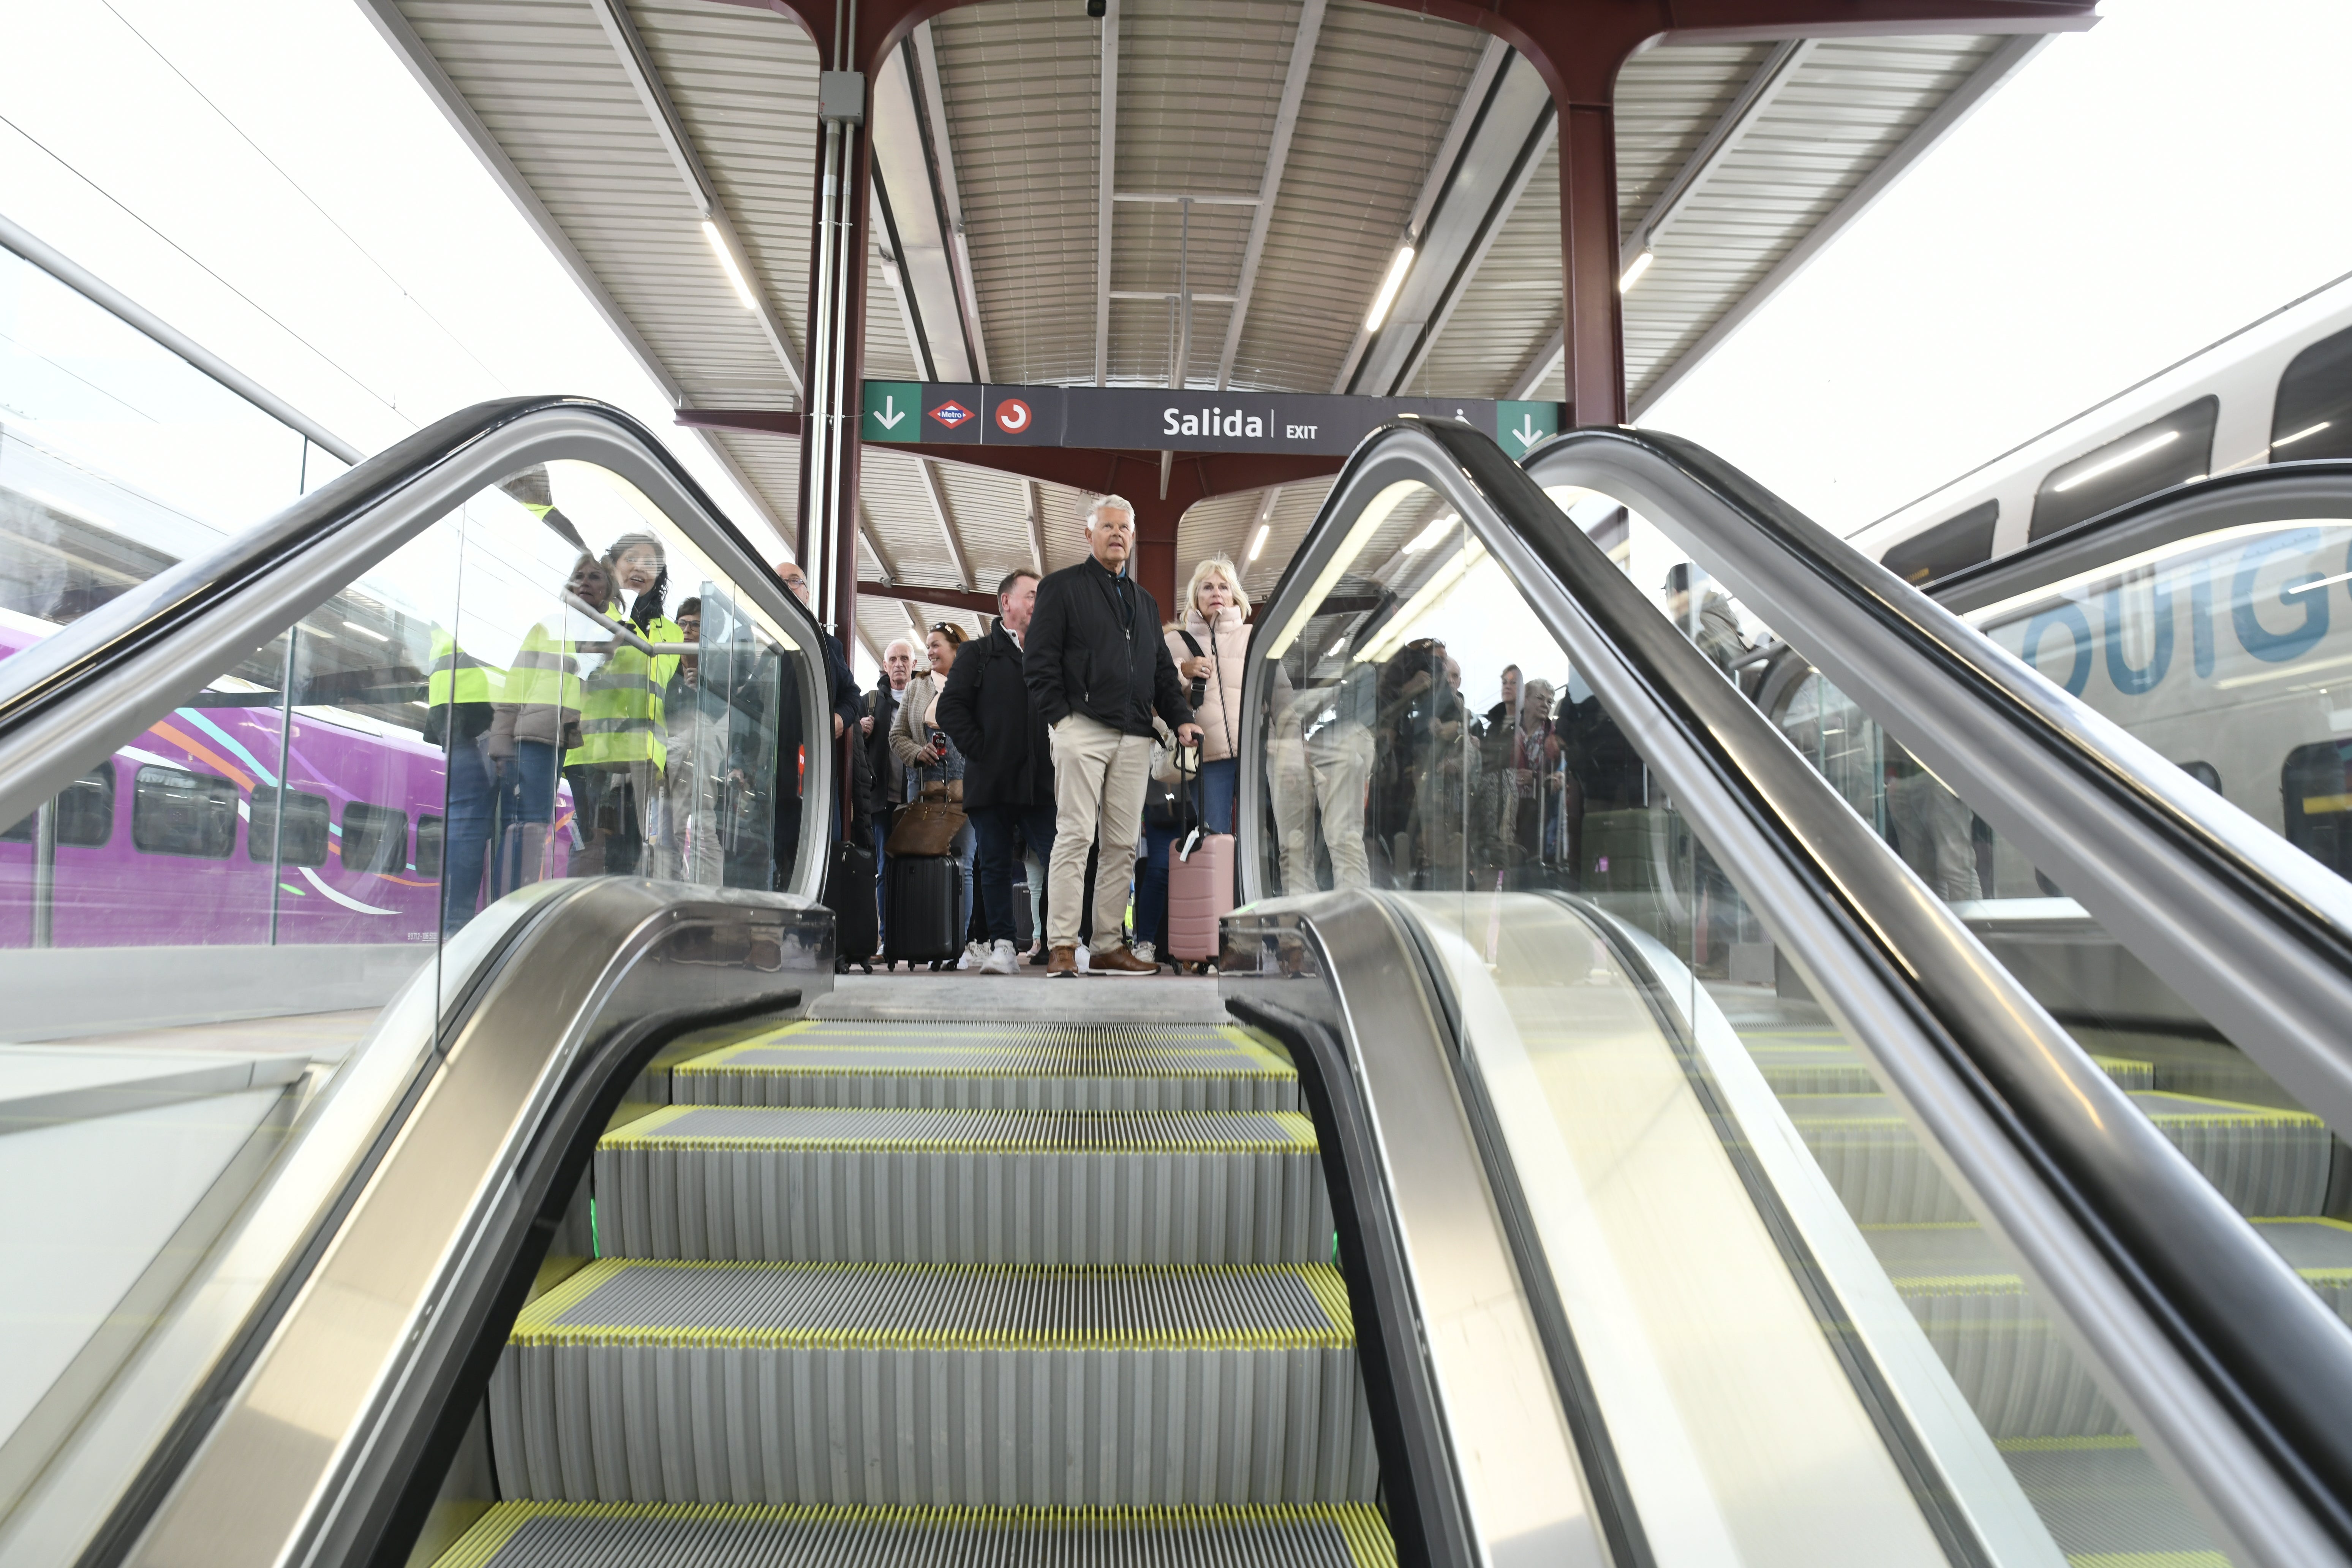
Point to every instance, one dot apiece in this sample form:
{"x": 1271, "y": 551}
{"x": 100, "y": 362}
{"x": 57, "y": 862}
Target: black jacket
{"x": 883, "y": 704}
{"x": 1094, "y": 647}
{"x": 986, "y": 710}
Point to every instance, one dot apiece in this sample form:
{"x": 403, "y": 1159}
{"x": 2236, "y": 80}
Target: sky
{"x": 2137, "y": 192}
{"x": 270, "y": 178}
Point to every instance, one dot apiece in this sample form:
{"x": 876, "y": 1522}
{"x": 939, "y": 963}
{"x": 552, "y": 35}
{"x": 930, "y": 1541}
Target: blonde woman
{"x": 1211, "y": 646}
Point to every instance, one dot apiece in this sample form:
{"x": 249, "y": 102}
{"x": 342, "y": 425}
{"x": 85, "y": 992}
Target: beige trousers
{"x": 1323, "y": 776}
{"x": 1099, "y": 779}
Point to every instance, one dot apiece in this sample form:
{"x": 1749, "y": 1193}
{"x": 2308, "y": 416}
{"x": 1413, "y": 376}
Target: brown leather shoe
{"x": 1062, "y": 961}
{"x": 1119, "y": 961}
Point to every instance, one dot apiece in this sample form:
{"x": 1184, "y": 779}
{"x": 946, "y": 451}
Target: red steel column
{"x": 1593, "y": 318}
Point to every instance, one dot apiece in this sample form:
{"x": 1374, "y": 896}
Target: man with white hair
{"x": 1099, "y": 668}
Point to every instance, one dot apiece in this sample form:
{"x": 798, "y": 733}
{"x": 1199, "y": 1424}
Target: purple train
{"x": 171, "y": 840}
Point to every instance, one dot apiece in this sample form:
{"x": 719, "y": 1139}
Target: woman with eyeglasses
{"x": 930, "y": 757}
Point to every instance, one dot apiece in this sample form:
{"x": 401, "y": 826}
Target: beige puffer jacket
{"x": 1221, "y": 714}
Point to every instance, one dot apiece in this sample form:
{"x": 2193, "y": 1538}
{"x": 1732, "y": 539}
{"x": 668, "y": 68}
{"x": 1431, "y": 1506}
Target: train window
{"x": 375, "y": 838}
{"x": 1957, "y": 541}
{"x": 2313, "y": 414}
{"x": 177, "y": 813}
{"x": 302, "y": 841}
{"x": 2316, "y": 785}
{"x": 429, "y": 836}
{"x": 2205, "y": 774}
{"x": 85, "y": 813}
{"x": 2167, "y": 451}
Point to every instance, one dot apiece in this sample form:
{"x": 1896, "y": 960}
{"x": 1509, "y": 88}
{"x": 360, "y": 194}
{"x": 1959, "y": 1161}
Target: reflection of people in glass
{"x": 537, "y": 724}
{"x": 696, "y": 779}
{"x": 1417, "y": 728}
{"x": 621, "y": 728}
{"x": 1934, "y": 831}
{"x": 459, "y": 691}
{"x": 1318, "y": 761}
{"x": 1705, "y": 616}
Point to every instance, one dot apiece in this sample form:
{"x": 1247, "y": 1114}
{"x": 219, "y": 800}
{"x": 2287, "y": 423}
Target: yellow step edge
{"x": 538, "y": 1325}
{"x": 1361, "y": 1527}
{"x": 648, "y": 1131}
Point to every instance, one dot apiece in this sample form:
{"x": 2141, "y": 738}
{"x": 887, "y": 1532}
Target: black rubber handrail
{"x": 2259, "y": 1340}
{"x": 2253, "y": 932}
{"x": 2272, "y": 493}
{"x": 49, "y": 673}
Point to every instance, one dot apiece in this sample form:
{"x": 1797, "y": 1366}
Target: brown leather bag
{"x": 926, "y": 828}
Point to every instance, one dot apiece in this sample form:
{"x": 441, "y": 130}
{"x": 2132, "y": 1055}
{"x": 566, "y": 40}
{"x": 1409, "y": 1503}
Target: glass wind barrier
{"x": 552, "y": 681}
{"x": 117, "y": 456}
{"x": 1804, "y": 1343}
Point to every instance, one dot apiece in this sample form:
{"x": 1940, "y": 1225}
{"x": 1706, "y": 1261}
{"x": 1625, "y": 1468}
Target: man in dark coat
{"x": 1098, "y": 670}
{"x": 1008, "y": 763}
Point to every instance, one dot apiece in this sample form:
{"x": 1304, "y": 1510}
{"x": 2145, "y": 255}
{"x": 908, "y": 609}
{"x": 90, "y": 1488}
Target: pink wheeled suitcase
{"x": 1199, "y": 888}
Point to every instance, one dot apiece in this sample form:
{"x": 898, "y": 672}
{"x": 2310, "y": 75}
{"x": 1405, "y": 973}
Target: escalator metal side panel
{"x": 325, "y": 1451}
{"x": 2087, "y": 1192}
{"x": 1488, "y": 1468}
{"x": 76, "y": 696}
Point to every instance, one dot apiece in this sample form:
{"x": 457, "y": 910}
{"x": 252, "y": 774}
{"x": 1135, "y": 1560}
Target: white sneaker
{"x": 1144, "y": 950}
{"x": 1003, "y": 961}
{"x": 1086, "y": 954}
{"x": 974, "y": 955}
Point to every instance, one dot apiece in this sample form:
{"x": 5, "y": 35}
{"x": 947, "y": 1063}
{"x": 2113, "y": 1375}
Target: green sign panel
{"x": 1519, "y": 426}
{"x": 894, "y": 410}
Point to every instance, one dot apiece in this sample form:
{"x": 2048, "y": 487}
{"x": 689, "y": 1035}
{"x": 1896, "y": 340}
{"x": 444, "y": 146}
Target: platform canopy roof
{"x": 1018, "y": 144}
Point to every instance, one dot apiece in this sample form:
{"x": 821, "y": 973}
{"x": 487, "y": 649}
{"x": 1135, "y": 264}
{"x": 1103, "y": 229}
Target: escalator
{"x": 1601, "y": 1146}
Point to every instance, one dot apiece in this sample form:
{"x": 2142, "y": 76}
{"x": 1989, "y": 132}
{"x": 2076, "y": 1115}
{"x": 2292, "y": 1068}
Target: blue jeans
{"x": 880, "y": 828}
{"x": 995, "y": 826}
{"x": 1218, "y": 780}
{"x": 1151, "y": 887}
{"x": 473, "y": 795}
{"x": 526, "y": 795}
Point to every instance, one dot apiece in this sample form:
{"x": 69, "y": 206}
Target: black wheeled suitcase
{"x": 926, "y": 916}
{"x": 849, "y": 894}
{"x": 1025, "y": 922}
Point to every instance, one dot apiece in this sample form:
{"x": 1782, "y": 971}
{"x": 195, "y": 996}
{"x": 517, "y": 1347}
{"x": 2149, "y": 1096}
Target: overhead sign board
{"x": 948, "y": 413}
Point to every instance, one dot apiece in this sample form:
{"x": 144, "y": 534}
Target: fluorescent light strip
{"x": 727, "y": 263}
{"x": 1257, "y": 545}
{"x": 2117, "y": 461}
{"x": 1633, "y": 274}
{"x": 354, "y": 625}
{"x": 1388, "y": 286}
{"x": 2307, "y": 430}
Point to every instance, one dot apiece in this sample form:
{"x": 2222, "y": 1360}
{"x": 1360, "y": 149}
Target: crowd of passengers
{"x": 1062, "y": 756}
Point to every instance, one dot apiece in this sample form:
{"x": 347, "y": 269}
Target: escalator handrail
{"x": 2254, "y": 932}
{"x": 2184, "y": 1301}
{"x": 59, "y": 687}
{"x": 2165, "y": 516}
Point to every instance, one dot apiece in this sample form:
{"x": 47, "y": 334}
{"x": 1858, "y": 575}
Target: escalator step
{"x": 854, "y": 1184}
{"x": 905, "y": 1384}
{"x": 2264, "y": 1160}
{"x": 1169, "y": 1067}
{"x": 2009, "y": 1358}
{"x": 1821, "y": 1062}
{"x": 571, "y": 1535}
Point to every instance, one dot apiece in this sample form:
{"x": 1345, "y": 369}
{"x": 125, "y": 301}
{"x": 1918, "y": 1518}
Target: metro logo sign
{"x": 1138, "y": 418}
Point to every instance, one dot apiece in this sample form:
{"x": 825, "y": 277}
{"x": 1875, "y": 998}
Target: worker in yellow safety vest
{"x": 621, "y": 722}
{"x": 538, "y": 722}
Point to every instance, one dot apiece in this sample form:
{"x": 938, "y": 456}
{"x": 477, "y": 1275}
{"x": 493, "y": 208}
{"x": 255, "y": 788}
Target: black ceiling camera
{"x": 1095, "y": 8}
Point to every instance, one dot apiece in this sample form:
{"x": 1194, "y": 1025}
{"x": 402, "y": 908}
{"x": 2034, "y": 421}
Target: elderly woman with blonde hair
{"x": 1210, "y": 643}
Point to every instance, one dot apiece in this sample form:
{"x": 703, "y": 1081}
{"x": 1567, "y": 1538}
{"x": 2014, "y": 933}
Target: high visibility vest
{"x": 621, "y": 704}
{"x": 545, "y": 672}
{"x": 458, "y": 675}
